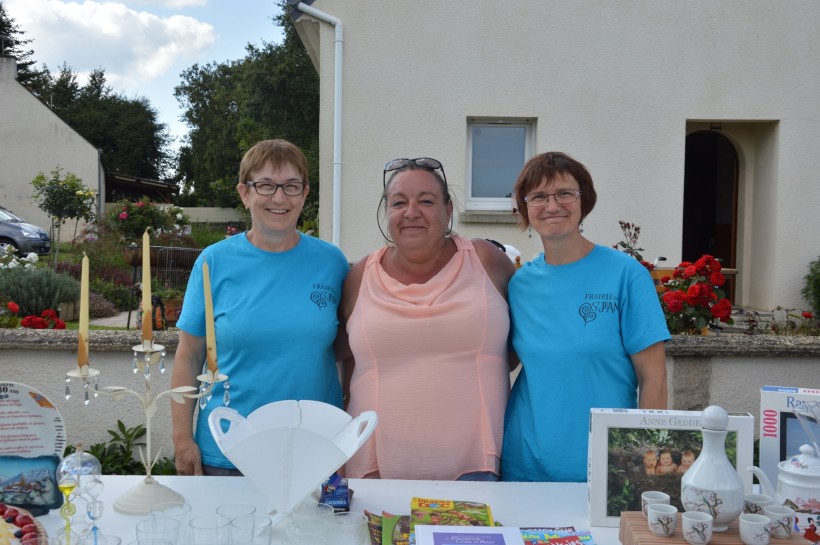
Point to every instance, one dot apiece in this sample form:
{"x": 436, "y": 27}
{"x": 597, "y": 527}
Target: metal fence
{"x": 174, "y": 266}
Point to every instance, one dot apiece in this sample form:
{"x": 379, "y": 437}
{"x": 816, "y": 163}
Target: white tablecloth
{"x": 513, "y": 504}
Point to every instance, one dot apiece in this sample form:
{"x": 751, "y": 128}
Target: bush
{"x": 38, "y": 289}
{"x": 811, "y": 288}
{"x": 118, "y": 295}
{"x": 100, "y": 307}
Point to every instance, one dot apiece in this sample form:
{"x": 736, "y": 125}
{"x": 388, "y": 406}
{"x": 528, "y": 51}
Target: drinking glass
{"x": 348, "y": 528}
{"x": 251, "y": 530}
{"x": 312, "y": 517}
{"x": 209, "y": 530}
{"x": 234, "y": 510}
{"x": 176, "y": 510}
{"x": 158, "y": 528}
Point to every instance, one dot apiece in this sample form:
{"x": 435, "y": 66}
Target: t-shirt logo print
{"x": 319, "y": 298}
{"x": 587, "y": 312}
{"x": 323, "y": 295}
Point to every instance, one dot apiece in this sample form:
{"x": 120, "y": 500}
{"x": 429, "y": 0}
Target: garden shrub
{"x": 117, "y": 294}
{"x": 811, "y": 288}
{"x": 100, "y": 307}
{"x": 38, "y": 289}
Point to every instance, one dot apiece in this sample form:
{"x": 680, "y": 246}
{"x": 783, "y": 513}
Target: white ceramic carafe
{"x": 712, "y": 485}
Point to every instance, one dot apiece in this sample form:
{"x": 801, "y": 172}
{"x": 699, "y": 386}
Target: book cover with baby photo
{"x": 635, "y": 450}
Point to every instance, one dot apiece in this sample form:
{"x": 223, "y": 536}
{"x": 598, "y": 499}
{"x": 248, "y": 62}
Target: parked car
{"x": 23, "y": 237}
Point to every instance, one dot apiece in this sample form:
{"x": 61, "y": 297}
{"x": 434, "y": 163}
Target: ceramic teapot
{"x": 798, "y": 479}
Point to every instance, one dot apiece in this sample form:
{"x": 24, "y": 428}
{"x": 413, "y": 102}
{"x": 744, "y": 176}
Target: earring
{"x": 529, "y": 235}
{"x": 581, "y": 226}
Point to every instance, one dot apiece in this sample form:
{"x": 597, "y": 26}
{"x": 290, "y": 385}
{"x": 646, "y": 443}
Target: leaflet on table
{"x": 468, "y": 535}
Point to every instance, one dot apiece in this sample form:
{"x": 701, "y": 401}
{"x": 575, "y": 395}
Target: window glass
{"x": 498, "y": 155}
{"x": 498, "y": 151}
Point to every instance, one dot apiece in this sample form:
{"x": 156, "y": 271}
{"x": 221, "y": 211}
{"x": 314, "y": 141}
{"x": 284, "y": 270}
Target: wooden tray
{"x": 635, "y": 531}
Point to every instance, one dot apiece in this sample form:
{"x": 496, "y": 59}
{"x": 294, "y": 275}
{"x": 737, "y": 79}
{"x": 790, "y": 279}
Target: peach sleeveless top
{"x": 431, "y": 360}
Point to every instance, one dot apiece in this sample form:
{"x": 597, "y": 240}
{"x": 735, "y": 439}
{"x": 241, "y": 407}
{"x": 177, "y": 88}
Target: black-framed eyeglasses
{"x": 427, "y": 163}
{"x": 565, "y": 196}
{"x": 290, "y": 189}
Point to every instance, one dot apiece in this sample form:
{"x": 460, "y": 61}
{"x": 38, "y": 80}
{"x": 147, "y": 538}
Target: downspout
{"x": 338, "y": 44}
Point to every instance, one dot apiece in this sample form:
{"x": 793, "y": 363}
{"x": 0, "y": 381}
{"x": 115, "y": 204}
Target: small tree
{"x": 63, "y": 197}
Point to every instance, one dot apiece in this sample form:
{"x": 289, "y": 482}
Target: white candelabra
{"x": 148, "y": 355}
{"x": 138, "y": 500}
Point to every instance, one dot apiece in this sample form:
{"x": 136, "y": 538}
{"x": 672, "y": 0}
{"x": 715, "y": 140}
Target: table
{"x": 513, "y": 504}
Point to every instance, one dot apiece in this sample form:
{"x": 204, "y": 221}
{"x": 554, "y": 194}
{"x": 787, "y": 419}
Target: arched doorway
{"x": 710, "y": 200}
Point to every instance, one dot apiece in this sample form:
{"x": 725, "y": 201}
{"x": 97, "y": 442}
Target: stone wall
{"x": 727, "y": 370}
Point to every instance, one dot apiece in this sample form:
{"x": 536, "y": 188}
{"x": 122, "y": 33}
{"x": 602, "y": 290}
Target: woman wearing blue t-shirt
{"x": 586, "y": 325}
{"x": 275, "y": 294}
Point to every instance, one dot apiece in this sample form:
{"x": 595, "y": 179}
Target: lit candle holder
{"x": 147, "y": 318}
{"x": 82, "y": 344}
{"x": 210, "y": 329}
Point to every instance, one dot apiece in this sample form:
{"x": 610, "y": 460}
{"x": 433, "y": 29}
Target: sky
{"x": 143, "y": 45}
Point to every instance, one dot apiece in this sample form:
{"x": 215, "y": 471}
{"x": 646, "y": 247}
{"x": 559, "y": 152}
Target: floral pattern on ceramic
{"x": 697, "y": 527}
{"x": 754, "y": 529}
{"x": 662, "y": 519}
{"x": 712, "y": 484}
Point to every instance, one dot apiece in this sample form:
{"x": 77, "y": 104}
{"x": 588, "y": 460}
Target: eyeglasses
{"x": 426, "y": 163}
{"x": 269, "y": 188}
{"x": 565, "y": 196}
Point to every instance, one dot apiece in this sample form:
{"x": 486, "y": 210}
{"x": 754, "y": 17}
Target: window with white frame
{"x": 497, "y": 150}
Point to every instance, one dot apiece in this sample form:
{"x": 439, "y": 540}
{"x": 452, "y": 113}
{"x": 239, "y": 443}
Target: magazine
{"x": 556, "y": 536}
{"x": 395, "y": 529}
{"x": 542, "y": 536}
{"x": 434, "y": 512}
{"x": 374, "y": 527}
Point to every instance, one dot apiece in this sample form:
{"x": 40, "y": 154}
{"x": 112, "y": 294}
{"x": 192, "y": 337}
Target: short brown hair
{"x": 548, "y": 167}
{"x": 278, "y": 153}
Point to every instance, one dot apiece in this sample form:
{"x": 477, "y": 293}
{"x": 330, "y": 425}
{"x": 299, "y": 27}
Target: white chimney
{"x": 8, "y": 68}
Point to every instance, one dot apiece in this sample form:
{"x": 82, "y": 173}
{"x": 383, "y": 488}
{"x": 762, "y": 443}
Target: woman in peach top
{"x": 427, "y": 321}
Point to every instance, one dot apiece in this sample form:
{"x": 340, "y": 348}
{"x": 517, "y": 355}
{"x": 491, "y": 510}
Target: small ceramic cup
{"x": 754, "y": 503}
{"x": 782, "y": 520}
{"x": 652, "y": 496}
{"x": 662, "y": 519}
{"x": 754, "y": 529}
{"x": 697, "y": 527}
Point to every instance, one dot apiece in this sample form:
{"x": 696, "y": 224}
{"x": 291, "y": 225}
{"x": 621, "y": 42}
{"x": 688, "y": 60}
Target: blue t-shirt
{"x": 573, "y": 327}
{"x": 275, "y": 315}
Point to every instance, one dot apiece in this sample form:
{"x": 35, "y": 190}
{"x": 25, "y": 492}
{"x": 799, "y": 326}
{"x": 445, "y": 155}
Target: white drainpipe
{"x": 337, "y": 116}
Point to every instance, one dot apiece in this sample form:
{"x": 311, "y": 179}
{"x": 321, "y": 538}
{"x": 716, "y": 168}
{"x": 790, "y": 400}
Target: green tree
{"x": 13, "y": 43}
{"x": 127, "y": 130}
{"x": 63, "y": 197}
{"x": 273, "y": 92}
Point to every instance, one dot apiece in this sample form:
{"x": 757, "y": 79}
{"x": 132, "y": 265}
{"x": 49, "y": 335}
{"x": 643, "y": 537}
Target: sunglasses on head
{"x": 426, "y": 163}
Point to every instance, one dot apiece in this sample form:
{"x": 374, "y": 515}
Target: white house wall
{"x": 616, "y": 84}
{"x": 32, "y": 140}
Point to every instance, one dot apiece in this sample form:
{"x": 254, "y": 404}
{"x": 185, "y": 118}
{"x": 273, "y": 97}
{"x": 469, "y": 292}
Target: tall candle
{"x": 82, "y": 346}
{"x": 147, "y": 318}
{"x": 210, "y": 330}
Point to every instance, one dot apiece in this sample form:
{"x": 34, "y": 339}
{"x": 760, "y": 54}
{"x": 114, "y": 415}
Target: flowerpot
{"x": 69, "y": 311}
{"x": 659, "y": 272}
{"x": 133, "y": 254}
{"x": 173, "y": 308}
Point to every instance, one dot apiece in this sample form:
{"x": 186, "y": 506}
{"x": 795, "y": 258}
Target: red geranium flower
{"x": 807, "y": 315}
{"x": 33, "y": 322}
{"x": 13, "y": 307}
{"x": 693, "y": 297}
